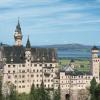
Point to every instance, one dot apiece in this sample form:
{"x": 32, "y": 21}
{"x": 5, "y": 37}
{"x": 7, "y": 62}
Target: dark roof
{"x": 18, "y": 28}
{"x": 14, "y": 54}
{"x": 76, "y": 72}
{"x": 94, "y": 48}
{"x": 17, "y": 54}
{"x": 28, "y": 45}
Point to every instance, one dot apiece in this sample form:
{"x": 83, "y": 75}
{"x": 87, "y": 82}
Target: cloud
{"x": 46, "y": 17}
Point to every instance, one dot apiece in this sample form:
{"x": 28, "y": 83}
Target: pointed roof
{"x": 28, "y": 45}
{"x": 95, "y": 48}
{"x": 18, "y": 28}
{"x": 68, "y": 69}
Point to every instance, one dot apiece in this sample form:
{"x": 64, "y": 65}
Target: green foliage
{"x": 93, "y": 85}
{"x": 35, "y": 94}
{"x": 13, "y": 94}
{"x": 0, "y": 89}
{"x": 23, "y": 96}
{"x": 97, "y": 92}
{"x": 57, "y": 94}
{"x": 92, "y": 88}
{"x": 39, "y": 93}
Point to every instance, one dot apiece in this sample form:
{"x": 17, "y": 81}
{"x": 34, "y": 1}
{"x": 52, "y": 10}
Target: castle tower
{"x": 95, "y": 63}
{"x": 18, "y": 35}
{"x": 28, "y": 50}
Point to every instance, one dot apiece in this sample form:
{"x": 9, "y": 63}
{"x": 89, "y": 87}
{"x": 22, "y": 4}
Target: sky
{"x": 50, "y": 22}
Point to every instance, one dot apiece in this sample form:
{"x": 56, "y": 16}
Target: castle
{"x": 23, "y": 66}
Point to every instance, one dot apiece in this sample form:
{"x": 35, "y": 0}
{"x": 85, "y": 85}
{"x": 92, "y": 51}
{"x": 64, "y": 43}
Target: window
{"x": 33, "y": 70}
{"x": 8, "y": 71}
{"x": 37, "y": 75}
{"x": 35, "y": 64}
{"x": 13, "y": 71}
{"x": 48, "y": 80}
{"x": 23, "y": 76}
{"x": 23, "y": 71}
{"x": 37, "y": 70}
{"x": 51, "y": 75}
{"x": 13, "y": 65}
{"x": 23, "y": 81}
{"x": 45, "y": 65}
{"x": 23, "y": 65}
{"x": 19, "y": 86}
{"x": 40, "y": 64}
{"x": 50, "y": 65}
{"x": 32, "y": 75}
{"x": 15, "y": 76}
{"x": 23, "y": 86}
{"x": 8, "y": 65}
{"x": 9, "y": 77}
{"x": 37, "y": 85}
{"x": 52, "y": 80}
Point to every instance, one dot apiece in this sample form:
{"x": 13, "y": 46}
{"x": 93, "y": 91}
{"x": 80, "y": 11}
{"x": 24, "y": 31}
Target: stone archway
{"x": 67, "y": 97}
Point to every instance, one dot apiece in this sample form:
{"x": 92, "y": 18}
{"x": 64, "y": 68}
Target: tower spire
{"x": 18, "y": 34}
{"x": 28, "y": 45}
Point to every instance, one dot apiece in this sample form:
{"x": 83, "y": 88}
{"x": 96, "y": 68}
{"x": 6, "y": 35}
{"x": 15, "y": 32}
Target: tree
{"x": 93, "y": 85}
{"x": 39, "y": 93}
{"x": 0, "y": 89}
{"x": 43, "y": 93}
{"x": 34, "y": 93}
{"x": 97, "y": 92}
{"x": 57, "y": 94}
{"x": 13, "y": 93}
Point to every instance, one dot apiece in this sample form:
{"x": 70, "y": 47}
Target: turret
{"x": 18, "y": 35}
{"x": 95, "y": 63}
{"x": 28, "y": 50}
{"x": 95, "y": 52}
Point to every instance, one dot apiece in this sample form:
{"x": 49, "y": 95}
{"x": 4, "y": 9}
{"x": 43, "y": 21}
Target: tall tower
{"x": 28, "y": 50}
{"x": 18, "y": 35}
{"x": 95, "y": 63}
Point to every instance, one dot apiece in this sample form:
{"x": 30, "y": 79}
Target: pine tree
{"x": 92, "y": 88}
{"x": 13, "y": 93}
{"x": 43, "y": 93}
{"x": 97, "y": 92}
{"x": 0, "y": 89}
{"x": 57, "y": 94}
{"x": 34, "y": 93}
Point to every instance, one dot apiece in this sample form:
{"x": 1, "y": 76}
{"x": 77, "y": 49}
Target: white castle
{"x": 23, "y": 66}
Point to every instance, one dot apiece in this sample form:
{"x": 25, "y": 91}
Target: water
{"x": 74, "y": 54}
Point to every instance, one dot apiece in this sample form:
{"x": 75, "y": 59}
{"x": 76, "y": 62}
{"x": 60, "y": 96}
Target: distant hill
{"x": 69, "y": 46}
{"x": 71, "y": 50}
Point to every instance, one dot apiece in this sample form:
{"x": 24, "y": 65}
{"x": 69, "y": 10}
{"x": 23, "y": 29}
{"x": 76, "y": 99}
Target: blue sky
{"x": 51, "y": 21}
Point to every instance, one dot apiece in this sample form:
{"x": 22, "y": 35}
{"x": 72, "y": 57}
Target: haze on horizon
{"x": 51, "y": 21}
